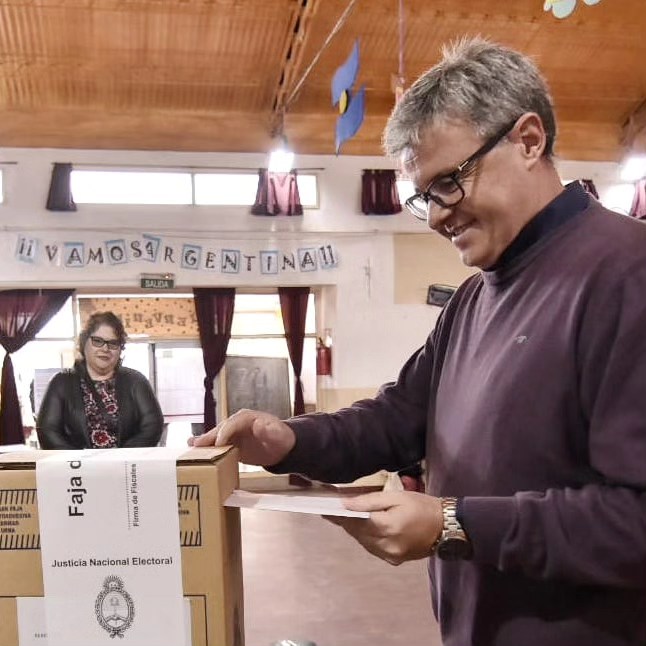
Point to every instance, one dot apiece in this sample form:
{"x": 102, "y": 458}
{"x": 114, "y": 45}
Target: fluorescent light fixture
{"x": 634, "y": 168}
{"x": 281, "y": 160}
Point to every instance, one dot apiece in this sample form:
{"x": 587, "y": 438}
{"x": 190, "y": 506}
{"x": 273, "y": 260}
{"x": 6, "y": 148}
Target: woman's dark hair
{"x": 94, "y": 322}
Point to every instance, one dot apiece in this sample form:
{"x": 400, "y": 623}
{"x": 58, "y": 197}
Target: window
{"x": 225, "y": 188}
{"x": 39, "y": 360}
{"x": 131, "y": 187}
{"x": 166, "y": 187}
{"x": 257, "y": 330}
{"x": 61, "y": 325}
{"x": 259, "y": 315}
{"x": 239, "y": 189}
{"x": 308, "y": 191}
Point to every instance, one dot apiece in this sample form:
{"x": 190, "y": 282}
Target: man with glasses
{"x": 528, "y": 399}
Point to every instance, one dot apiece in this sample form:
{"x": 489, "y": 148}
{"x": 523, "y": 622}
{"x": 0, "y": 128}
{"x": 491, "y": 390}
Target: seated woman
{"x": 99, "y": 403}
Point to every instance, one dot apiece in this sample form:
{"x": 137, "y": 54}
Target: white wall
{"x": 27, "y": 184}
{"x": 372, "y": 336}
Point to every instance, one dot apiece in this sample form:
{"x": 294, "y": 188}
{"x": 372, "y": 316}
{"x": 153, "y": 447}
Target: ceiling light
{"x": 634, "y": 168}
{"x": 281, "y": 159}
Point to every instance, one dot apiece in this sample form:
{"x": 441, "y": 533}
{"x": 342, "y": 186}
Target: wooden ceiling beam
{"x": 292, "y": 58}
{"x": 240, "y": 132}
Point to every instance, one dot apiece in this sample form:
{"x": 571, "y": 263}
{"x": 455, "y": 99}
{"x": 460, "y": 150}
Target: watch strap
{"x": 451, "y": 526}
{"x": 450, "y": 514}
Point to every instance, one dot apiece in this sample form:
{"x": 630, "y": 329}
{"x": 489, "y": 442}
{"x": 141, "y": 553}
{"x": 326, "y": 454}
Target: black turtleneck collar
{"x": 561, "y": 209}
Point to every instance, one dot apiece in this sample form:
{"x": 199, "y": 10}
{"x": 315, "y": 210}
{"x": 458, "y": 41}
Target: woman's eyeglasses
{"x": 99, "y": 342}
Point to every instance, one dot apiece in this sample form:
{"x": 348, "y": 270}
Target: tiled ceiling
{"x": 207, "y": 75}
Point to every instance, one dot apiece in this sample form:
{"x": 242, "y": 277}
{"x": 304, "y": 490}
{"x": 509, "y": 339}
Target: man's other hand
{"x": 261, "y": 438}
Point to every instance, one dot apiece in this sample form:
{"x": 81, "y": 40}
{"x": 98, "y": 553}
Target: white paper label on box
{"x": 110, "y": 547}
{"x": 32, "y": 626}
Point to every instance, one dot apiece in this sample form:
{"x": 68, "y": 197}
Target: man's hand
{"x": 403, "y": 525}
{"x": 262, "y": 439}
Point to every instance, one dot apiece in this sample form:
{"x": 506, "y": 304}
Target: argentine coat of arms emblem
{"x": 114, "y": 608}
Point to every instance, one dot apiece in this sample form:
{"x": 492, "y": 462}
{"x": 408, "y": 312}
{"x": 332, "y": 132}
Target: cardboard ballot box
{"x": 209, "y": 540}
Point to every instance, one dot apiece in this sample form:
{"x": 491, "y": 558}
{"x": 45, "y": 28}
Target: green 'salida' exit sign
{"x": 157, "y": 281}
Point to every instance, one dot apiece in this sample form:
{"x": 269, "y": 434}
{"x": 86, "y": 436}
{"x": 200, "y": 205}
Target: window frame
{"x": 192, "y": 173}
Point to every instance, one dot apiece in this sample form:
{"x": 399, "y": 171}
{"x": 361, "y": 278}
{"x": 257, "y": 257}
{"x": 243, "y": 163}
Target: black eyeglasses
{"x": 447, "y": 190}
{"x": 99, "y": 342}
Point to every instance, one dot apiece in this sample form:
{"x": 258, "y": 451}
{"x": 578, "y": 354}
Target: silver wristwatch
{"x": 453, "y": 543}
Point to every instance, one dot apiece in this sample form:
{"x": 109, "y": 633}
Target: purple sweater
{"x": 528, "y": 401}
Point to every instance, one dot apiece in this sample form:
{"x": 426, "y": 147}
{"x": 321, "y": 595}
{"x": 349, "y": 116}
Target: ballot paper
{"x": 304, "y": 504}
{"x": 110, "y": 547}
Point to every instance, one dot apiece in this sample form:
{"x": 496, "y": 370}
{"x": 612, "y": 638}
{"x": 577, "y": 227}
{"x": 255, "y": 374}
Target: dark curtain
{"x": 23, "y": 313}
{"x": 589, "y": 186}
{"x": 60, "y": 189}
{"x": 277, "y": 194}
{"x": 379, "y": 194}
{"x": 293, "y": 307}
{"x": 638, "y": 208}
{"x": 214, "y": 310}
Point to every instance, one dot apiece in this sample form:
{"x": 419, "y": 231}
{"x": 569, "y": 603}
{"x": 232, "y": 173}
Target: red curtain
{"x": 379, "y": 194}
{"x": 214, "y": 310}
{"x": 60, "y": 197}
{"x": 23, "y": 313}
{"x": 293, "y": 307}
{"x": 277, "y": 194}
{"x": 589, "y": 186}
{"x": 638, "y": 208}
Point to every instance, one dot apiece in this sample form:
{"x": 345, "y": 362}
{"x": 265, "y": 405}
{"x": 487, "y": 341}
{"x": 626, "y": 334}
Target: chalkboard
{"x": 259, "y": 383}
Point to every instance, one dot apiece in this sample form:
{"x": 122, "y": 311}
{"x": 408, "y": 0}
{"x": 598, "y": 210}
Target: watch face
{"x": 454, "y": 549}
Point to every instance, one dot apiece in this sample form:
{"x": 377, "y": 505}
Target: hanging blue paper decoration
{"x": 351, "y": 104}
{"x": 563, "y": 8}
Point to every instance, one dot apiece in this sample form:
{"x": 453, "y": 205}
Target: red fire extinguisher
{"x": 323, "y": 358}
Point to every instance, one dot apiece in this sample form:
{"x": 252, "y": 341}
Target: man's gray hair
{"x": 478, "y": 82}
